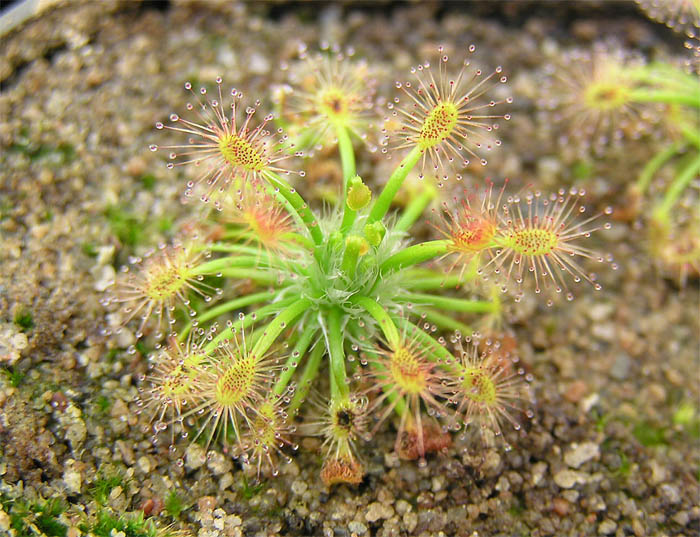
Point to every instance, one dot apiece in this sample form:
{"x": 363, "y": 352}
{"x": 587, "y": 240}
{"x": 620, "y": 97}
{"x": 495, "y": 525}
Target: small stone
{"x": 206, "y": 503}
{"x": 258, "y": 64}
{"x": 299, "y": 487}
{"x": 538, "y": 470}
{"x": 4, "y": 521}
{"x": 376, "y": 511}
{"x": 410, "y": 520}
{"x": 657, "y": 393}
{"x": 491, "y": 466}
{"x": 681, "y": 517}
{"x": 658, "y": 473}
{"x": 72, "y": 477}
{"x": 195, "y": 457}
{"x": 136, "y": 166}
{"x": 621, "y": 367}
{"x": 438, "y": 483}
{"x": 575, "y": 391}
{"x": 670, "y": 493}
{"x": 570, "y": 496}
{"x": 567, "y": 479}
{"x": 218, "y": 463}
{"x": 115, "y": 492}
{"x": 144, "y": 464}
{"x": 600, "y": 312}
{"x": 357, "y": 527}
{"x": 638, "y": 528}
{"x": 391, "y": 460}
{"x": 560, "y": 506}
{"x": 402, "y": 507}
{"x": 581, "y": 453}
{"x": 226, "y": 481}
{"x": 604, "y": 331}
{"x": 606, "y": 527}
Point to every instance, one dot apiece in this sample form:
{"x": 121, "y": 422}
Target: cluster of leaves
{"x": 604, "y": 99}
{"x": 347, "y": 286}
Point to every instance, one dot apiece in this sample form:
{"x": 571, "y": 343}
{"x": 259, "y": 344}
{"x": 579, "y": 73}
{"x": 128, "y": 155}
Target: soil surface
{"x": 613, "y": 448}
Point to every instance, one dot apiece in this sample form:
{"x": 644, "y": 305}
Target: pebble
{"x": 195, "y": 457}
{"x": 567, "y": 479}
{"x": 218, "y": 463}
{"x": 492, "y": 464}
{"x": 670, "y": 493}
{"x": 391, "y": 460}
{"x": 604, "y": 331}
{"x": 357, "y": 527}
{"x": 538, "y": 470}
{"x": 438, "y": 483}
{"x": 581, "y": 453}
{"x": 72, "y": 477}
{"x": 560, "y": 506}
{"x": 681, "y": 517}
{"x": 606, "y": 527}
{"x": 144, "y": 464}
{"x": 599, "y": 312}
{"x": 226, "y": 481}
{"x": 376, "y": 511}
{"x": 621, "y": 367}
{"x": 402, "y": 507}
{"x": 658, "y": 473}
{"x": 299, "y": 487}
{"x": 410, "y": 520}
{"x": 575, "y": 391}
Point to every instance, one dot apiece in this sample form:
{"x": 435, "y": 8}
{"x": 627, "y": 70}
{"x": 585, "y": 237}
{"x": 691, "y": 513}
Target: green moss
{"x": 105, "y": 483}
{"x": 649, "y": 435}
{"x": 103, "y": 404}
{"x": 582, "y": 170}
{"x": 24, "y": 319}
{"x": 684, "y": 414}
{"x": 625, "y": 466}
{"x": 248, "y": 490}
{"x": 89, "y": 249}
{"x": 148, "y": 181}
{"x": 26, "y": 518}
{"x": 133, "y": 525}
{"x": 14, "y": 376}
{"x": 127, "y": 227}
{"x": 165, "y": 224}
{"x": 174, "y": 505}
{"x": 517, "y": 508}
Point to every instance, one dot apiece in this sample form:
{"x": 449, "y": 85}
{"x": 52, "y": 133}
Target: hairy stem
{"x": 437, "y": 351}
{"x": 672, "y": 97}
{"x": 444, "y": 321}
{"x": 307, "y": 376}
{"x": 381, "y": 206}
{"x": 254, "y": 274}
{"x": 336, "y": 352}
{"x": 279, "y": 323}
{"x": 380, "y": 315}
{"x": 415, "y": 254}
{"x": 298, "y": 203}
{"x": 677, "y": 187}
{"x": 653, "y": 166}
{"x": 294, "y": 358}
{"x": 248, "y": 320}
{"x": 226, "y": 307}
{"x": 447, "y": 303}
{"x": 216, "y": 265}
{"x": 415, "y": 208}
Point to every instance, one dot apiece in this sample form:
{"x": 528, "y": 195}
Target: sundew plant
{"x": 270, "y": 312}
